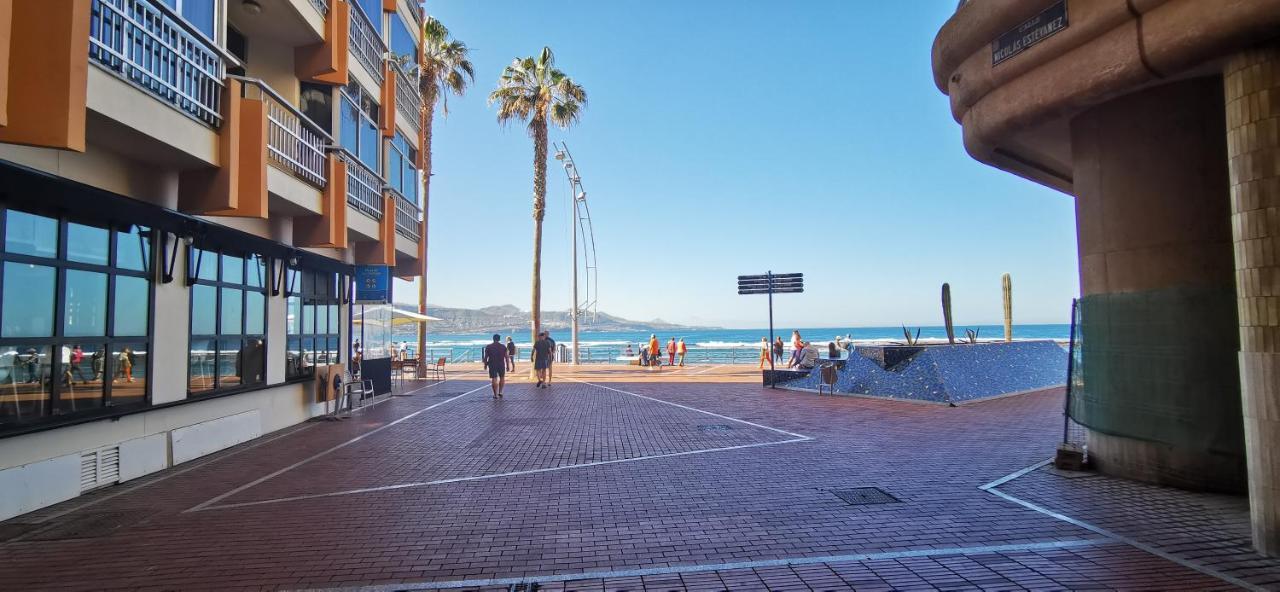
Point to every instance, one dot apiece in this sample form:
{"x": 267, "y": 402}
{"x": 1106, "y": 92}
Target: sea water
{"x": 713, "y": 346}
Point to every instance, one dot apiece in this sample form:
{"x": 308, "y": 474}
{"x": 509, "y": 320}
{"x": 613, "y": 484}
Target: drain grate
{"x": 864, "y": 496}
{"x": 526, "y": 587}
{"x": 716, "y": 427}
{"x": 89, "y": 525}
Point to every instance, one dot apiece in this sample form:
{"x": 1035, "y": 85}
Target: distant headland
{"x": 502, "y": 319}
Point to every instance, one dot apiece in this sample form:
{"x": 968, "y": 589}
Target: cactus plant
{"x": 946, "y": 313}
{"x": 1006, "y": 285}
{"x": 906, "y": 333}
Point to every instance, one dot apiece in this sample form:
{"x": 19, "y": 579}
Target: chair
{"x": 437, "y": 369}
{"x": 352, "y": 387}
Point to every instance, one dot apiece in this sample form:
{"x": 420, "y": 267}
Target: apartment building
{"x": 186, "y": 189}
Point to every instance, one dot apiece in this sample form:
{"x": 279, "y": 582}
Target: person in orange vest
{"x": 671, "y": 352}
{"x": 682, "y": 350}
{"x": 655, "y": 351}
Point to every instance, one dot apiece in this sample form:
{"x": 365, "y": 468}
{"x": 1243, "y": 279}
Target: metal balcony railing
{"x": 364, "y": 187}
{"x": 322, "y": 6}
{"x": 365, "y": 42}
{"x": 294, "y": 143}
{"x": 144, "y": 43}
{"x": 408, "y": 217}
{"x": 408, "y": 101}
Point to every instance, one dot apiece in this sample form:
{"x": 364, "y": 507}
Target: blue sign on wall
{"x": 373, "y": 284}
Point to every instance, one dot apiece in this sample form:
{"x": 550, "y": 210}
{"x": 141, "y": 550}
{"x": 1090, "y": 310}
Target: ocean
{"x": 715, "y": 346}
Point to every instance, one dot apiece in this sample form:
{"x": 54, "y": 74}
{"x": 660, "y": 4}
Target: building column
{"x": 1161, "y": 378}
{"x": 1252, "y": 83}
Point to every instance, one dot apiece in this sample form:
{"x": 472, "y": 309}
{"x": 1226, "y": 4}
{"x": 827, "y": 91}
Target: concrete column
{"x": 1156, "y": 274}
{"x": 1252, "y": 83}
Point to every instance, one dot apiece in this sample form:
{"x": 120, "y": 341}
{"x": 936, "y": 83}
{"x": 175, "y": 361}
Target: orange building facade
{"x": 186, "y": 188}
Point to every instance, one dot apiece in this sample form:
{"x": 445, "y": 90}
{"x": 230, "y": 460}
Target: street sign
{"x": 373, "y": 284}
{"x": 771, "y": 283}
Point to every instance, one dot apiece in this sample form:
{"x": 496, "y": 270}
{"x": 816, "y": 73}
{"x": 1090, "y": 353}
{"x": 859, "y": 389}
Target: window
{"x": 200, "y": 13}
{"x": 360, "y": 125}
{"x": 403, "y": 44}
{"x": 228, "y": 321}
{"x": 312, "y": 324}
{"x": 402, "y": 172}
{"x": 75, "y": 309}
{"x": 373, "y": 10}
{"x": 316, "y": 102}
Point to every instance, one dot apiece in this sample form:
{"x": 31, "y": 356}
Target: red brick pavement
{"x": 671, "y": 489}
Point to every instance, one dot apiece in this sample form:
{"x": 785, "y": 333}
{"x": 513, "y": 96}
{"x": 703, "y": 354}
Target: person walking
{"x": 511, "y": 354}
{"x": 682, "y": 350}
{"x": 77, "y": 358}
{"x": 97, "y": 360}
{"x": 778, "y": 348}
{"x": 494, "y": 358}
{"x": 797, "y": 345}
{"x": 551, "y": 361}
{"x": 655, "y": 351}
{"x": 671, "y": 352}
{"x": 764, "y": 352}
{"x": 541, "y": 355}
{"x": 126, "y": 364}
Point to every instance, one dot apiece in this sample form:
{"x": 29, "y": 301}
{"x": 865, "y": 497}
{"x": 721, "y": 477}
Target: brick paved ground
{"x": 483, "y": 494}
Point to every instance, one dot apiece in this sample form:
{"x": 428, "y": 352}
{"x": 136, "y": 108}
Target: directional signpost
{"x": 771, "y": 283}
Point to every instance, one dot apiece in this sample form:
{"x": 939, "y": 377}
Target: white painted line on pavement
{"x": 207, "y": 503}
{"x": 681, "y": 569}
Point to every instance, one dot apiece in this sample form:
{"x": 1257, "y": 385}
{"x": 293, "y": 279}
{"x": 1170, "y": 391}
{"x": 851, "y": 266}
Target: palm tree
{"x": 534, "y": 89}
{"x": 445, "y": 68}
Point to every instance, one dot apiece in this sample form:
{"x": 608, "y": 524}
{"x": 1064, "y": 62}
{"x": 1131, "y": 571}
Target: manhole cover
{"x": 718, "y": 427}
{"x": 89, "y": 525}
{"x": 863, "y": 496}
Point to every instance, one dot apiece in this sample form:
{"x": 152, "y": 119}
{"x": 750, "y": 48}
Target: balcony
{"x": 364, "y": 187}
{"x": 408, "y": 219}
{"x": 294, "y": 143}
{"x": 365, "y": 43}
{"x": 408, "y": 101}
{"x": 144, "y": 43}
{"x": 322, "y": 6}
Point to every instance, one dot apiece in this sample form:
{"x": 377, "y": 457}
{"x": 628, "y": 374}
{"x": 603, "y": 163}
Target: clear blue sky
{"x": 728, "y": 137}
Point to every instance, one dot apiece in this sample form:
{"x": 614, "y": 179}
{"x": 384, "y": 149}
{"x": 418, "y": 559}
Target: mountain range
{"x": 506, "y": 318}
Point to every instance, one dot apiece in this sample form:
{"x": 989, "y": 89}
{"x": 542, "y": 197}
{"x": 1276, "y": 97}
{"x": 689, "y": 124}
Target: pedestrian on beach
{"x": 495, "y": 360}
{"x": 541, "y": 359}
{"x": 778, "y": 348}
{"x": 630, "y": 352}
{"x": 797, "y": 345}
{"x": 655, "y": 351}
{"x": 644, "y": 354}
{"x": 511, "y": 354}
{"x": 764, "y": 352}
{"x": 671, "y": 352}
{"x": 683, "y": 349}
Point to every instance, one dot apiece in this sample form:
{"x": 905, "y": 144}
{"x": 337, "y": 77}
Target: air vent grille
{"x": 99, "y": 467}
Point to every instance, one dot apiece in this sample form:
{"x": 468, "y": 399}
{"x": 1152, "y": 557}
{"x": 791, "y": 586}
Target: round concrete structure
{"x": 1160, "y": 117}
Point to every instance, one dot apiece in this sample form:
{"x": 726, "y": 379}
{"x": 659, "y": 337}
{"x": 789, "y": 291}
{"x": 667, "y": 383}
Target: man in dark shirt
{"x": 495, "y": 359}
{"x": 542, "y": 349}
{"x": 551, "y": 361}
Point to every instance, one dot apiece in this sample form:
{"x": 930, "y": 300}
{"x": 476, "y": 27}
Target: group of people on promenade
{"x": 499, "y": 358}
{"x": 804, "y": 354}
{"x": 651, "y": 353}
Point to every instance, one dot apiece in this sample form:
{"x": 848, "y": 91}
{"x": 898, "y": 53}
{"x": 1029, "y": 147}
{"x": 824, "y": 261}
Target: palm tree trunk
{"x": 539, "y": 125}
{"x": 428, "y": 117}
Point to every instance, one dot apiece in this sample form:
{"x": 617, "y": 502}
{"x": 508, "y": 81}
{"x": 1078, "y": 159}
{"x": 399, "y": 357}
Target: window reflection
{"x": 132, "y": 297}
{"x": 77, "y": 391}
{"x": 204, "y": 309}
{"x": 129, "y": 367}
{"x": 27, "y": 308}
{"x": 133, "y": 248}
{"x": 201, "y": 364}
{"x": 87, "y": 244}
{"x": 24, "y": 386}
{"x": 86, "y": 304}
{"x": 29, "y": 234}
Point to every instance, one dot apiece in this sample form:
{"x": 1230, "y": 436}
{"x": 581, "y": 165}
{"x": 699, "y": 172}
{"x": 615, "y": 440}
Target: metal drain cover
{"x": 864, "y": 496}
{"x": 717, "y": 427}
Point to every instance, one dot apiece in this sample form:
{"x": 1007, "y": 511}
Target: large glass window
{"x": 403, "y": 44}
{"x": 75, "y": 309}
{"x": 360, "y": 133}
{"x": 373, "y": 10}
{"x": 228, "y": 321}
{"x": 200, "y": 13}
{"x": 402, "y": 170}
{"x": 312, "y": 325}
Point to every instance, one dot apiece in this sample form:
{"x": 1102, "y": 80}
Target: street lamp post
{"x": 581, "y": 222}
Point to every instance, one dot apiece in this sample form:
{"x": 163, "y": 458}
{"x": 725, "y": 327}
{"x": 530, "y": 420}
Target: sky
{"x": 728, "y": 137}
